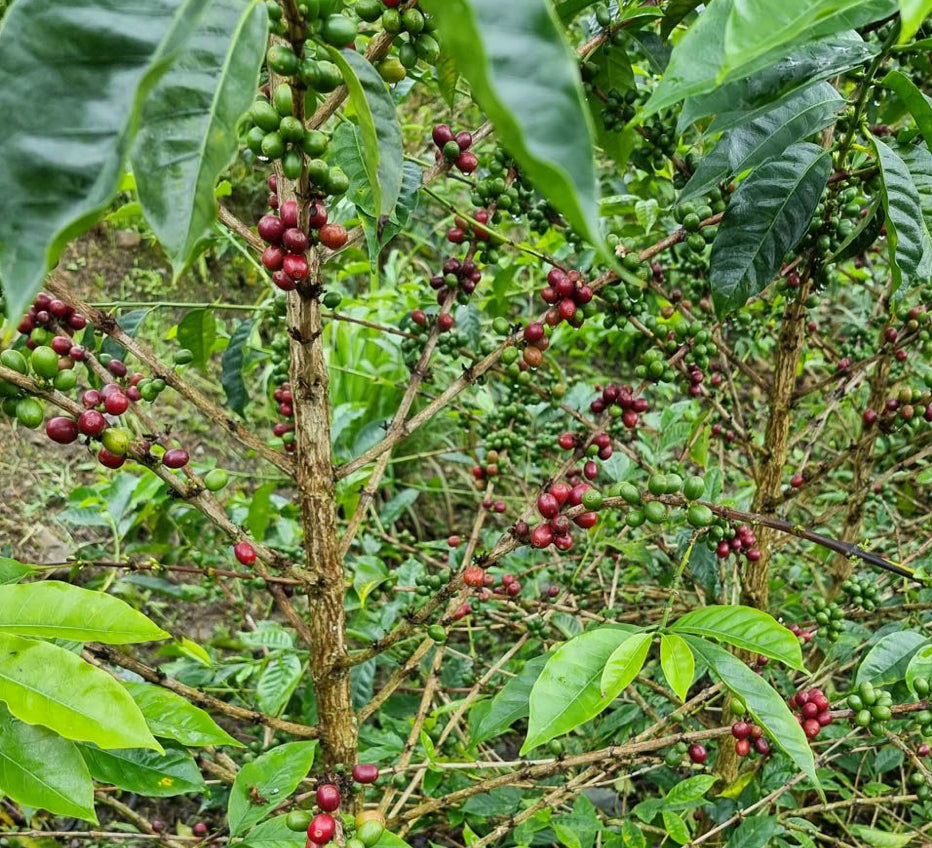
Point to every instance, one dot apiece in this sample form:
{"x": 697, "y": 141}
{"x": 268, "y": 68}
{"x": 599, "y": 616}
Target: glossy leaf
{"x": 379, "y": 130}
{"x": 524, "y": 77}
{"x": 12, "y": 571}
{"x": 509, "y": 705}
{"x": 919, "y": 104}
{"x": 764, "y": 703}
{"x": 909, "y": 244}
{"x": 888, "y": 659}
{"x": 675, "y": 827}
{"x": 100, "y": 59}
{"x": 624, "y": 664}
{"x": 274, "y": 833}
{"x": 632, "y": 836}
{"x": 44, "y": 684}
{"x": 767, "y": 216}
{"x": 878, "y": 838}
{"x": 380, "y": 232}
{"x": 748, "y": 97}
{"x": 755, "y": 832}
{"x": 674, "y": 12}
{"x": 689, "y": 791}
{"x": 54, "y": 610}
{"x": 696, "y": 59}
{"x": 145, "y": 772}
{"x": 744, "y": 627}
{"x": 745, "y": 147}
{"x": 758, "y": 27}
{"x": 271, "y": 777}
{"x": 277, "y": 682}
{"x": 197, "y": 332}
{"x": 567, "y": 693}
{"x": 40, "y": 769}
{"x": 912, "y": 14}
{"x": 231, "y": 368}
{"x": 918, "y": 160}
{"x": 187, "y": 133}
{"x": 920, "y": 666}
{"x": 678, "y": 664}
{"x": 170, "y": 716}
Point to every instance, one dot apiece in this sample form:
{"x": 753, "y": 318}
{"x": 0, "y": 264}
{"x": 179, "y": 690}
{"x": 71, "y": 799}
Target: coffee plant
{"x": 538, "y": 454}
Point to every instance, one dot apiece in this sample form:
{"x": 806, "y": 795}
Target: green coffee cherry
{"x": 215, "y": 480}
{"x": 298, "y": 820}
{"x": 699, "y": 515}
{"x": 116, "y": 440}
{"x": 265, "y": 116}
{"x": 694, "y": 488}
{"x": 282, "y": 60}
{"x": 14, "y": 360}
{"x": 283, "y": 99}
{"x": 29, "y": 412}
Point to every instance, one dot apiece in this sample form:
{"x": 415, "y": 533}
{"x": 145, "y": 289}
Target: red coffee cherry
{"x": 697, "y": 753}
{"x": 333, "y": 236}
{"x": 328, "y": 797}
{"x": 91, "y": 423}
{"x": 321, "y": 829}
{"x": 271, "y": 228}
{"x": 110, "y": 460}
{"x": 365, "y": 773}
{"x": 244, "y": 552}
{"x": 62, "y": 430}
{"x": 175, "y": 458}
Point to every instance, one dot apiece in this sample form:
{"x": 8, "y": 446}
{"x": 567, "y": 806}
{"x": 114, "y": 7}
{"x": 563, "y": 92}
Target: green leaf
{"x": 632, "y": 835}
{"x": 675, "y": 827}
{"x": 263, "y": 784}
{"x": 748, "y": 97}
{"x": 12, "y": 571}
{"x": 673, "y": 14}
{"x": 745, "y": 147}
{"x": 509, "y": 705}
{"x": 198, "y": 332}
{"x": 919, "y": 104}
{"x": 44, "y": 684}
{"x": 277, "y": 682}
{"x": 918, "y": 160}
{"x": 231, "y": 367}
{"x": 567, "y": 693}
{"x": 274, "y": 833}
{"x": 624, "y": 664}
{"x": 379, "y": 130}
{"x": 380, "y": 232}
{"x": 100, "y": 59}
{"x": 767, "y": 216}
{"x": 260, "y": 511}
{"x": 524, "y": 77}
{"x": 694, "y": 63}
{"x": 54, "y": 610}
{"x": 40, "y": 769}
{"x": 920, "y": 666}
{"x": 744, "y": 627}
{"x": 170, "y": 716}
{"x": 689, "y": 791}
{"x": 887, "y": 661}
{"x": 881, "y": 838}
{"x": 912, "y": 14}
{"x": 755, "y": 832}
{"x": 764, "y": 703}
{"x": 677, "y": 663}
{"x": 908, "y": 241}
{"x": 759, "y": 27}
{"x": 145, "y": 772}
{"x": 187, "y": 132}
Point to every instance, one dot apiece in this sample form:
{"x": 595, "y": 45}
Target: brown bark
{"x": 862, "y": 465}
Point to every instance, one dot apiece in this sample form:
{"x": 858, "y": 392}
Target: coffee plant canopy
{"x": 466, "y": 423}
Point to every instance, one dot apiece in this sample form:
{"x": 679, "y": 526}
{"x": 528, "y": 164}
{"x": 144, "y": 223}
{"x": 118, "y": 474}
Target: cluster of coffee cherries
{"x": 286, "y": 254}
{"x": 363, "y": 831}
{"x": 620, "y": 402}
{"x": 749, "y": 737}
{"x": 458, "y": 277}
{"x": 654, "y": 511}
{"x": 727, "y": 539}
{"x": 829, "y": 616}
{"x": 600, "y": 447}
{"x": 454, "y": 148}
{"x": 567, "y": 295}
{"x": 556, "y": 528}
{"x": 418, "y": 33}
{"x": 487, "y": 468}
{"x": 871, "y": 707}
{"x": 284, "y": 430}
{"x": 861, "y": 592}
{"x": 696, "y": 752}
{"x": 902, "y": 407}
{"x": 813, "y": 711}
{"x": 418, "y": 323}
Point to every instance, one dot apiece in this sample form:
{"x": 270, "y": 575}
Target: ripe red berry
{"x": 295, "y": 266}
{"x": 869, "y": 417}
{"x": 61, "y": 345}
{"x": 697, "y": 753}
{"x": 567, "y": 441}
{"x": 742, "y": 747}
{"x": 541, "y": 536}
{"x": 116, "y": 403}
{"x": 762, "y": 746}
{"x": 473, "y": 576}
{"x": 91, "y": 423}
{"x": 924, "y": 750}
{"x": 317, "y": 216}
{"x": 445, "y": 322}
{"x": 289, "y": 213}
{"x": 328, "y": 797}
{"x": 467, "y": 162}
{"x": 271, "y": 229}
{"x": 244, "y": 552}
{"x": 365, "y": 773}
{"x": 454, "y": 541}
{"x": 333, "y": 236}
{"x": 110, "y": 460}
{"x": 811, "y": 728}
{"x": 283, "y": 281}
{"x": 741, "y": 730}
{"x": 91, "y": 398}
{"x": 62, "y": 430}
{"x": 295, "y": 240}
{"x": 117, "y": 368}
{"x": 76, "y": 321}
{"x": 441, "y": 133}
{"x": 272, "y": 257}
{"x": 175, "y": 458}
{"x": 200, "y": 829}
{"x": 321, "y": 829}
{"x": 547, "y": 505}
